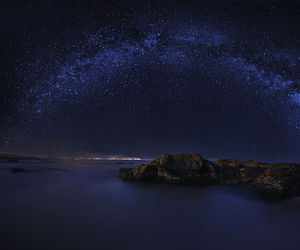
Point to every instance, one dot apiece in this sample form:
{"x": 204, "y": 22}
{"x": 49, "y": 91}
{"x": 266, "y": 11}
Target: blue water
{"x": 85, "y": 206}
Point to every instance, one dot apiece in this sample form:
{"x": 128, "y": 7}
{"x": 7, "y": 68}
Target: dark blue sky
{"x": 139, "y": 78}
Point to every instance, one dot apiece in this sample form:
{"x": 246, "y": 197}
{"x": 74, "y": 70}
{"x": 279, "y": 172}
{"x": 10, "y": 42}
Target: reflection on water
{"x": 85, "y": 206}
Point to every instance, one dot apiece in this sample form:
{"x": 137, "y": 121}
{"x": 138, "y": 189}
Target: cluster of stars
{"x": 146, "y": 68}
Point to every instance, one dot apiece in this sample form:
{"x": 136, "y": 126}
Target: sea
{"x": 84, "y": 205}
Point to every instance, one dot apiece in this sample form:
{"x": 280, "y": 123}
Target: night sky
{"x": 140, "y": 78}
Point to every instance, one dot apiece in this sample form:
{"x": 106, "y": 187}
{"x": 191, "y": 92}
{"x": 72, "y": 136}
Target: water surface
{"x": 85, "y": 206}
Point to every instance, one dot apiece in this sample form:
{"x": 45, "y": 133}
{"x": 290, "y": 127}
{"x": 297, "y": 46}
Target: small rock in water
{"x": 18, "y": 170}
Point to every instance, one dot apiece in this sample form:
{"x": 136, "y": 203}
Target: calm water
{"x": 84, "y": 206}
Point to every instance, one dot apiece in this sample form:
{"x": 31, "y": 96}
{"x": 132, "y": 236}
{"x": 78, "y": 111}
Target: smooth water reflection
{"x": 85, "y": 206}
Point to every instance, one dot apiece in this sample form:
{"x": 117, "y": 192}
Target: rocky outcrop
{"x": 17, "y": 170}
{"x": 192, "y": 169}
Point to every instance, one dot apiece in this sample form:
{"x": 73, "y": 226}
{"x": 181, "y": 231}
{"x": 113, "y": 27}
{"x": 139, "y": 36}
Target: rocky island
{"x": 281, "y": 179}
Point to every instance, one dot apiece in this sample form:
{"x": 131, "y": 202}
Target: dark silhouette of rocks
{"x": 18, "y": 170}
{"x": 272, "y": 179}
{"x": 16, "y": 158}
{"x": 48, "y": 160}
{"x": 12, "y": 160}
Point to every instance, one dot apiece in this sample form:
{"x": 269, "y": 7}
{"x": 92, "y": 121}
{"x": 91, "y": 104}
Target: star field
{"x": 142, "y": 79}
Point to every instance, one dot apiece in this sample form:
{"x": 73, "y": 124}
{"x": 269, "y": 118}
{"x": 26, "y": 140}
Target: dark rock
{"x": 17, "y": 170}
{"x": 280, "y": 178}
{"x": 48, "y": 160}
{"x": 12, "y": 160}
{"x": 192, "y": 169}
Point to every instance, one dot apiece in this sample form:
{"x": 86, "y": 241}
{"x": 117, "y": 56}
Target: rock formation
{"x": 192, "y": 169}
